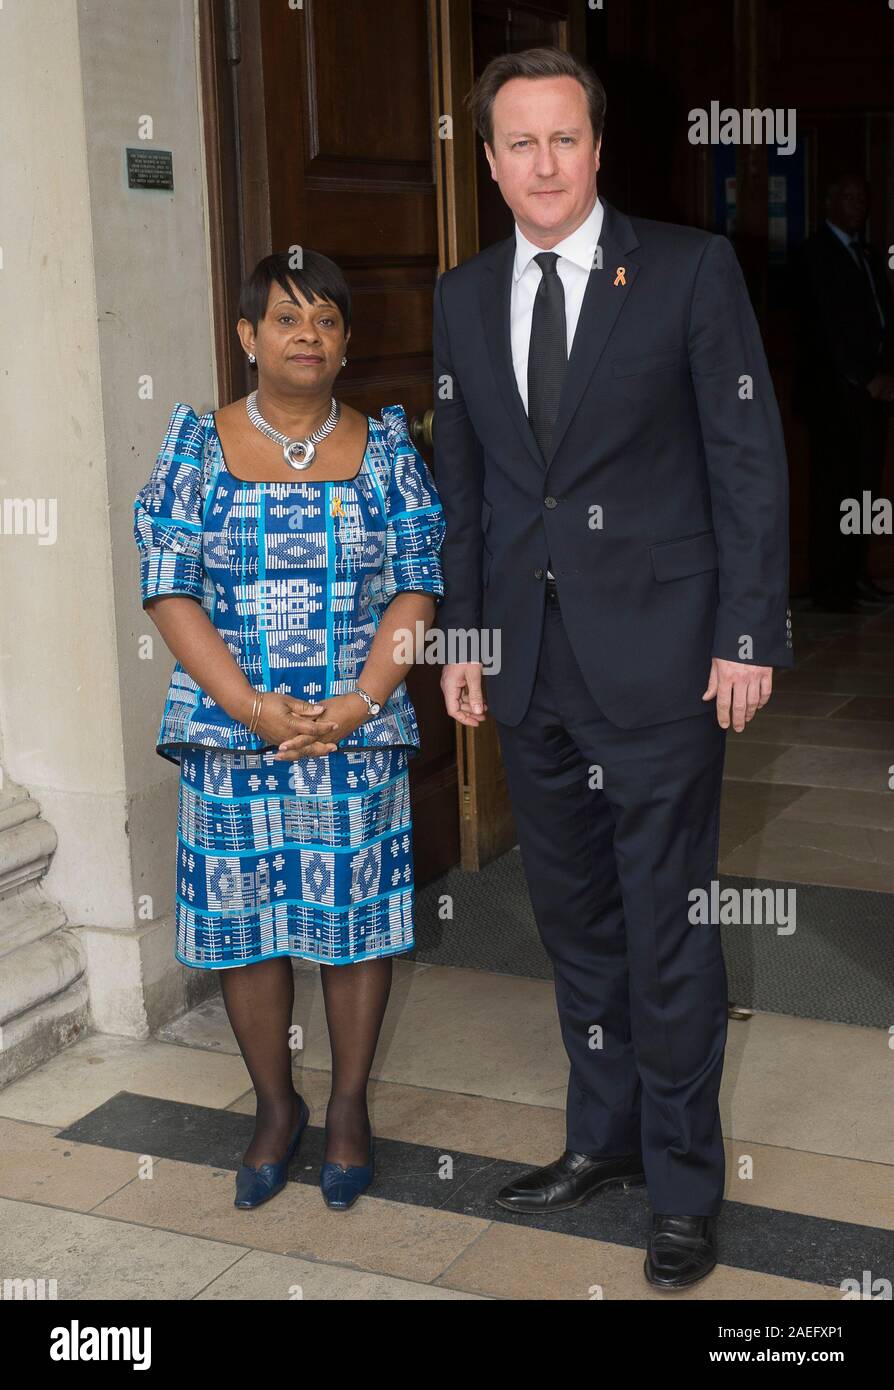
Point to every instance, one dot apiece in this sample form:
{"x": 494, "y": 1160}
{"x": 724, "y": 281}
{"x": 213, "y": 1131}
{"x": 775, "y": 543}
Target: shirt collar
{"x": 579, "y": 246}
{"x": 841, "y": 234}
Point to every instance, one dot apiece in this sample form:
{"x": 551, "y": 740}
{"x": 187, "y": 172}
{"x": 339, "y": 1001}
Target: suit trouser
{"x": 641, "y": 990}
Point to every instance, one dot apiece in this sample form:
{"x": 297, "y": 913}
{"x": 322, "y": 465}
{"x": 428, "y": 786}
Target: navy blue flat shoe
{"x": 257, "y": 1185}
{"x": 342, "y": 1186}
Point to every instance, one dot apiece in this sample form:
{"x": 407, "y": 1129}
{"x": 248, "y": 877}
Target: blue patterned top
{"x": 295, "y": 576}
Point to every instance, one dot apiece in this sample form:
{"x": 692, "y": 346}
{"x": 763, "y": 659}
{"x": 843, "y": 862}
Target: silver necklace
{"x": 298, "y": 453}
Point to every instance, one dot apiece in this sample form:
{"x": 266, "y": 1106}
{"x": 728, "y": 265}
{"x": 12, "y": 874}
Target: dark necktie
{"x": 547, "y": 352}
{"x": 859, "y": 256}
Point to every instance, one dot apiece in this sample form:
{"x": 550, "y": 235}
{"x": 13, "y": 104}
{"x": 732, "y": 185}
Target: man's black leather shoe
{"x": 568, "y": 1182}
{"x": 681, "y": 1250}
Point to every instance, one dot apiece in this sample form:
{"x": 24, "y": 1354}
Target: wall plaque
{"x": 150, "y": 168}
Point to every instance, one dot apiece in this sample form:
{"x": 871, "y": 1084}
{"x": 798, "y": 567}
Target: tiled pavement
{"x": 117, "y": 1159}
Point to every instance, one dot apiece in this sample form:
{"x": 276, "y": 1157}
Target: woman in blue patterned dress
{"x": 281, "y": 575}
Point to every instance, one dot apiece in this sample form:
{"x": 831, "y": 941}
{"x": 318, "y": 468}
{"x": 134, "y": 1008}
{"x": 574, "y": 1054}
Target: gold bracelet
{"x": 257, "y": 702}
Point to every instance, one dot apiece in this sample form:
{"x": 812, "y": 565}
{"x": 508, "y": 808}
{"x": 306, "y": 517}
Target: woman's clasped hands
{"x": 305, "y": 729}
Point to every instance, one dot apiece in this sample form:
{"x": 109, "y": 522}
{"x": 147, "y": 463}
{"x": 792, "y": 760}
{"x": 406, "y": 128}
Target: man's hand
{"x": 463, "y": 697}
{"x": 738, "y": 688}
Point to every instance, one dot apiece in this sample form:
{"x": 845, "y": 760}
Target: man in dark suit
{"x": 845, "y": 386}
{"x": 620, "y": 518}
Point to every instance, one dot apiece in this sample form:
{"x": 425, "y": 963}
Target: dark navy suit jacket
{"x": 663, "y": 508}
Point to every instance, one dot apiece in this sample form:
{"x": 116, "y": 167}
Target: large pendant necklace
{"x": 298, "y": 453}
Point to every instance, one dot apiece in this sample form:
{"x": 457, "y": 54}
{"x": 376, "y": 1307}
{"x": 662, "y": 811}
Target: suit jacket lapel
{"x": 867, "y": 284}
{"x": 606, "y": 294}
{"x": 496, "y": 290}
{"x": 841, "y": 249}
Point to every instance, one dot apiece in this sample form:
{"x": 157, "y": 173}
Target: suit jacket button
{"x": 538, "y": 574}
{"x": 550, "y": 502}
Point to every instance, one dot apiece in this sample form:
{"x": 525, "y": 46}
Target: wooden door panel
{"x": 369, "y": 96}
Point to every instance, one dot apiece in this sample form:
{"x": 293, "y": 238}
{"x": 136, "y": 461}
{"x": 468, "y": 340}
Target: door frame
{"x": 234, "y": 128}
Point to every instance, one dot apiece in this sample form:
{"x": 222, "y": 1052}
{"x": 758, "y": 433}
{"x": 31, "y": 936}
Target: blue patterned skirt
{"x": 310, "y": 858}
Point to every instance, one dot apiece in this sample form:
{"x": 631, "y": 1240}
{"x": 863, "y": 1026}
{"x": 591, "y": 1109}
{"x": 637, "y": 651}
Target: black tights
{"x": 259, "y": 1000}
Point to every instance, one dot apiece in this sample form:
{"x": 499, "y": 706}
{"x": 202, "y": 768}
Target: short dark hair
{"x": 317, "y": 278}
{"x": 533, "y": 62}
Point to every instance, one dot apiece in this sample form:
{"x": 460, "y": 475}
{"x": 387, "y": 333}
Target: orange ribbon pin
{"x": 620, "y": 273}
{"x": 337, "y": 508}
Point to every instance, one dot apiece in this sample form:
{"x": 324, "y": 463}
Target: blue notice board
{"x": 786, "y": 215}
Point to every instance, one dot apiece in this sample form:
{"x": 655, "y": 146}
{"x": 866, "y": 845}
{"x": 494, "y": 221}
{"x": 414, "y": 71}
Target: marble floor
{"x": 808, "y": 785}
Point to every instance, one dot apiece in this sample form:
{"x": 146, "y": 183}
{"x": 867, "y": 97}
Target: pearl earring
{"x": 252, "y": 359}
{"x": 344, "y": 361}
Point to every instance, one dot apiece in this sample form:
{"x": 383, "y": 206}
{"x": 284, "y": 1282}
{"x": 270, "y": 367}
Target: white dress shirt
{"x": 576, "y": 253}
